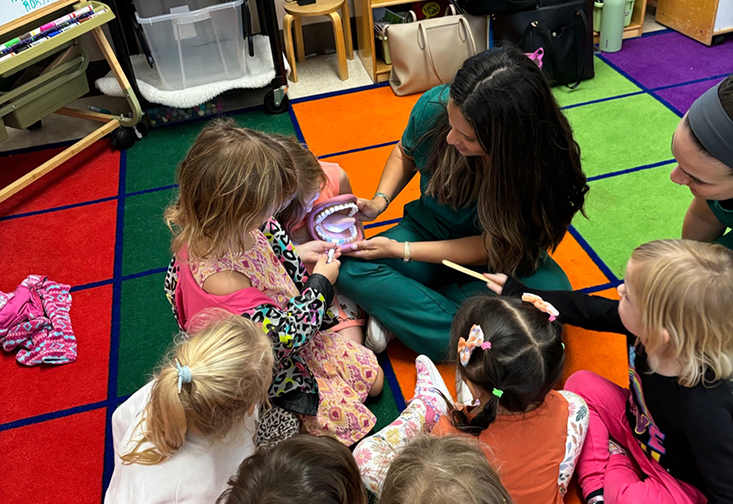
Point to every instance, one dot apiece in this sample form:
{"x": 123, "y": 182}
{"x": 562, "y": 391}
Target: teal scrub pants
{"x": 417, "y": 301}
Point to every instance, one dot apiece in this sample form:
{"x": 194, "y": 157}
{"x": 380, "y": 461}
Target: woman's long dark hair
{"x": 524, "y": 362}
{"x": 531, "y": 185}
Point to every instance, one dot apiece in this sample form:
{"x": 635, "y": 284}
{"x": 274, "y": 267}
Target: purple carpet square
{"x": 681, "y": 97}
{"x": 671, "y": 58}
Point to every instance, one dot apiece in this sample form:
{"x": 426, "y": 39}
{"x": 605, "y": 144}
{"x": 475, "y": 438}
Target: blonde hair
{"x": 442, "y": 471}
{"x": 311, "y": 179}
{"x": 686, "y": 287}
{"x": 231, "y": 363}
{"x": 231, "y": 179}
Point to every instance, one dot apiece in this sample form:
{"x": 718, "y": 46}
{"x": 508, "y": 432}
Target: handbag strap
{"x": 581, "y": 66}
{"x": 421, "y": 33}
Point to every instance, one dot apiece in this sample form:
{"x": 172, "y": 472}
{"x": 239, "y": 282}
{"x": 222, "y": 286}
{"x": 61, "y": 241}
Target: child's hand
{"x": 329, "y": 270}
{"x": 311, "y": 251}
{"x": 496, "y": 281}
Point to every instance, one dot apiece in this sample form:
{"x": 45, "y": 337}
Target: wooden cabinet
{"x": 701, "y": 20}
{"x": 378, "y": 70}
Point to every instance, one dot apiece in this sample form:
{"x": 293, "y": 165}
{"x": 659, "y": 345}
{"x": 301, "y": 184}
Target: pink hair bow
{"x": 475, "y": 340}
{"x": 541, "y": 305}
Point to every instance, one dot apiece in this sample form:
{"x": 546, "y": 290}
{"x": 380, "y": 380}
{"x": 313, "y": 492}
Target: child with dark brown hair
{"x": 301, "y": 470}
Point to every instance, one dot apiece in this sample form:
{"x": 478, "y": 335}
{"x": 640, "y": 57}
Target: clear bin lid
{"x": 153, "y": 8}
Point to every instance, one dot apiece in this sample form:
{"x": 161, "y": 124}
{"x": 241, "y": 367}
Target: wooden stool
{"x": 293, "y": 15}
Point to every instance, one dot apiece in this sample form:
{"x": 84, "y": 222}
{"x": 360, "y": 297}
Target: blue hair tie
{"x": 184, "y": 375}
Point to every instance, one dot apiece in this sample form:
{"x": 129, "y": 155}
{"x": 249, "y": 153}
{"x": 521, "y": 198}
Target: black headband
{"x": 712, "y": 126}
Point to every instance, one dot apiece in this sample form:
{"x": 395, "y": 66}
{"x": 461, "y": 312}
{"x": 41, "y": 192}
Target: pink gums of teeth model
{"x": 334, "y": 220}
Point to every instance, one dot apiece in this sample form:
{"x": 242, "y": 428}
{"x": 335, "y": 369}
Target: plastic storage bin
{"x": 196, "y": 43}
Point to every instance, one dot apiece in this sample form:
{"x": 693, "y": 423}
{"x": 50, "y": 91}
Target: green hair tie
{"x": 498, "y": 393}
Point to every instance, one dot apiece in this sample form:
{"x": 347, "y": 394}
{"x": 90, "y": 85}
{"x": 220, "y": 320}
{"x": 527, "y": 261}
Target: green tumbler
{"x": 612, "y": 25}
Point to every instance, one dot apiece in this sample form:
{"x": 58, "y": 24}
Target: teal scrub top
{"x": 441, "y": 221}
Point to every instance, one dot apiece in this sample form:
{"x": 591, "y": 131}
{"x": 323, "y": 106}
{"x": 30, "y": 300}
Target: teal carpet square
{"x": 146, "y": 238}
{"x": 147, "y": 331}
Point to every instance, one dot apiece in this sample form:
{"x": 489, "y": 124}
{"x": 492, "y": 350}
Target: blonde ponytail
{"x": 231, "y": 363}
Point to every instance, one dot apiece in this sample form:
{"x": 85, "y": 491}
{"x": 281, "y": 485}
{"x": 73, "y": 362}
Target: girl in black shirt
{"x": 671, "y": 432}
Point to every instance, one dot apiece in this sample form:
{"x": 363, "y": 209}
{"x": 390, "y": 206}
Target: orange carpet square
{"x": 577, "y": 265}
{"x": 353, "y": 121}
{"x": 365, "y": 170}
{"x": 92, "y": 174}
{"x": 605, "y": 354}
{"x": 45, "y": 388}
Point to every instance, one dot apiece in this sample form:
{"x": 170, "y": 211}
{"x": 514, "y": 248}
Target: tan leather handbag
{"x": 429, "y": 52}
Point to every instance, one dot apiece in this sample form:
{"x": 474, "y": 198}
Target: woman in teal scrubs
{"x": 500, "y": 181}
{"x": 703, "y": 147}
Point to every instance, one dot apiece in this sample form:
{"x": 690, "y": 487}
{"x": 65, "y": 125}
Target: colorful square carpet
{"x": 96, "y": 223}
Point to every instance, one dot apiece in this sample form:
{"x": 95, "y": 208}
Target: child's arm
{"x": 285, "y": 252}
{"x": 577, "y": 429}
{"x": 590, "y": 312}
{"x": 709, "y": 429}
{"x": 294, "y": 326}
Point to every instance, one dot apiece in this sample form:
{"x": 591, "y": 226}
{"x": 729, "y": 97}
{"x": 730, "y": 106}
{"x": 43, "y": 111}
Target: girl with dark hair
{"x": 510, "y": 356}
{"x": 703, "y": 147}
{"x": 301, "y": 470}
{"x": 501, "y": 180}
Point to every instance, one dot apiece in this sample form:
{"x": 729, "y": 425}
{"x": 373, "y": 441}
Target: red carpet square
{"x": 55, "y": 461}
{"x": 74, "y": 246}
{"x": 354, "y": 120}
{"x": 47, "y": 388}
{"x": 90, "y": 175}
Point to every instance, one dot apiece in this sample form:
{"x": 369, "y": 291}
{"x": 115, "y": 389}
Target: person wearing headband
{"x": 184, "y": 434}
{"x": 703, "y": 147}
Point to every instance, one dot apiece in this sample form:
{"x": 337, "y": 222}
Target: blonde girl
{"x": 181, "y": 436}
{"x": 230, "y": 254}
{"x": 510, "y": 356}
{"x": 318, "y": 181}
{"x": 668, "y": 438}
{"x": 445, "y": 470}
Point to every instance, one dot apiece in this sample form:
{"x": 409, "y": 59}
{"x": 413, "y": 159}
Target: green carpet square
{"x": 152, "y": 162}
{"x": 621, "y": 134}
{"x": 147, "y": 239}
{"x": 606, "y": 84}
{"x": 147, "y": 330}
{"x": 384, "y": 407}
{"x": 627, "y": 210}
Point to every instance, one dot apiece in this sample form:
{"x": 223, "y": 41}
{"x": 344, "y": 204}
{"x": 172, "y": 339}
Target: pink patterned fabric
{"x": 35, "y": 318}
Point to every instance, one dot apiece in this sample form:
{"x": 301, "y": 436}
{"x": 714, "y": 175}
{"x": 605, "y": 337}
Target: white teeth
{"x": 322, "y": 234}
{"x": 353, "y": 209}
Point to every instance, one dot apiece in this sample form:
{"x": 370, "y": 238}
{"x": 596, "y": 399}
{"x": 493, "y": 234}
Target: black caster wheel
{"x": 270, "y": 107}
{"x": 143, "y": 128}
{"x": 718, "y": 40}
{"x": 123, "y": 138}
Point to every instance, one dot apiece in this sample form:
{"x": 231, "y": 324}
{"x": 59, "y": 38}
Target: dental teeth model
{"x": 333, "y": 220}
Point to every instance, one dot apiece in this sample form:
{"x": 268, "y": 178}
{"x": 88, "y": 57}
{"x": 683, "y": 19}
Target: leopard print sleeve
{"x": 283, "y": 247}
{"x": 291, "y": 328}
